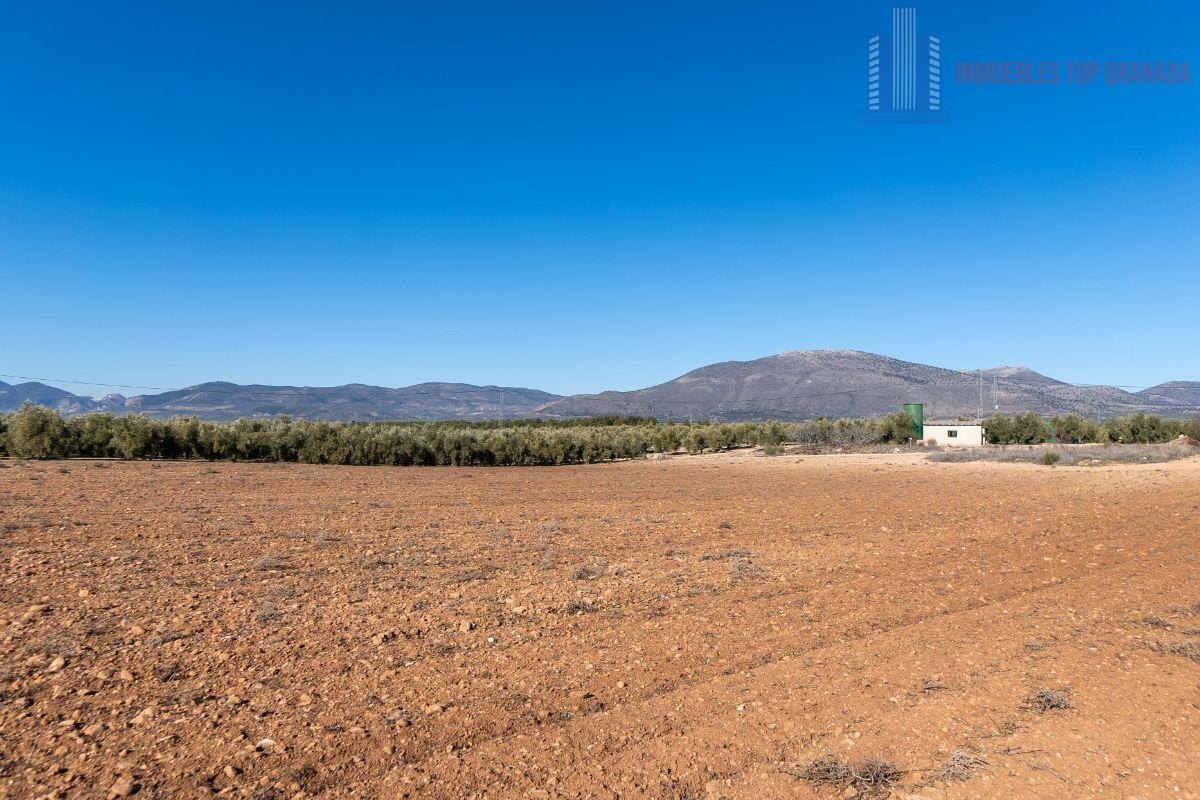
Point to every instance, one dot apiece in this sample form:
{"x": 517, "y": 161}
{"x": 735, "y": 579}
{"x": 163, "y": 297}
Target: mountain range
{"x": 849, "y": 383}
{"x": 799, "y": 384}
{"x": 219, "y": 400}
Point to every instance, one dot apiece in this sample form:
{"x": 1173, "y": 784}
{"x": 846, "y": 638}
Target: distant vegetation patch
{"x": 39, "y": 432}
{"x": 1029, "y": 428}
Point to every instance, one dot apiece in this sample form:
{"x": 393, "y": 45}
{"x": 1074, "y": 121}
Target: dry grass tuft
{"x": 875, "y": 776}
{"x": 828, "y": 770}
{"x": 962, "y": 765}
{"x": 586, "y": 572}
{"x": 579, "y": 607}
{"x": 744, "y": 569}
{"x": 737, "y": 552}
{"x": 871, "y": 777}
{"x": 1044, "y": 700}
{"x": 1189, "y": 650}
{"x": 267, "y": 612}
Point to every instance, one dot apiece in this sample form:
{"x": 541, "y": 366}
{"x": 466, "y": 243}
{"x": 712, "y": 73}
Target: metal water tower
{"x": 916, "y": 412}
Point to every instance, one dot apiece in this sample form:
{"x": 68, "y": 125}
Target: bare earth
{"x": 692, "y": 628}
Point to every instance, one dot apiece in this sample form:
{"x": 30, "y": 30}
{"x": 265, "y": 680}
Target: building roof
{"x": 953, "y": 424}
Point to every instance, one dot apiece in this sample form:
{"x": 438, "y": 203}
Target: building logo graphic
{"x": 913, "y": 71}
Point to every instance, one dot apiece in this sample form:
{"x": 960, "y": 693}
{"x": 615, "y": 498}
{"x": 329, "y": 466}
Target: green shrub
{"x": 1143, "y": 429}
{"x": 665, "y": 439}
{"x": 898, "y": 428}
{"x": 36, "y": 432}
{"x": 91, "y": 435}
{"x": 1073, "y": 429}
{"x": 140, "y": 437}
{"x": 1028, "y": 428}
{"x": 772, "y": 434}
{"x": 1139, "y": 428}
{"x": 1050, "y": 458}
{"x": 997, "y": 429}
{"x": 693, "y": 440}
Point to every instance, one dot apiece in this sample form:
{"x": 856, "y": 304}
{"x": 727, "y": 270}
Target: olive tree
{"x": 36, "y": 432}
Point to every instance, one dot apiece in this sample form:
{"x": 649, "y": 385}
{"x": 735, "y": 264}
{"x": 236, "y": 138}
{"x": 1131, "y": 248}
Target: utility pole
{"x": 995, "y": 402}
{"x": 980, "y": 408}
{"x": 501, "y": 406}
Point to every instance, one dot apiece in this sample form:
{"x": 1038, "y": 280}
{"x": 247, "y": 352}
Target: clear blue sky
{"x": 578, "y": 196}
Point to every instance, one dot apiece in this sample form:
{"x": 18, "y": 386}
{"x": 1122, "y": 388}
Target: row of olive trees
{"x": 39, "y": 432}
{"x": 894, "y": 428}
{"x": 1029, "y": 428}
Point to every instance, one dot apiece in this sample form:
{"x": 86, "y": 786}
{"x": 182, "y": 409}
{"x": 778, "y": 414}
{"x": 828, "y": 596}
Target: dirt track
{"x": 679, "y": 629}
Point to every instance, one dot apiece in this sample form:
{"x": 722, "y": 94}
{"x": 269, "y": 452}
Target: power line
{"x": 84, "y": 383}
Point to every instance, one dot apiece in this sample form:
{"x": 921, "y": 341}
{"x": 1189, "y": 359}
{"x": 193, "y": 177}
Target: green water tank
{"x": 916, "y": 412}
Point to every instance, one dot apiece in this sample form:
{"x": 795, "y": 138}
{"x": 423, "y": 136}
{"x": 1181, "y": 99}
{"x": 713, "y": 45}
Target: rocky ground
{"x": 686, "y": 628}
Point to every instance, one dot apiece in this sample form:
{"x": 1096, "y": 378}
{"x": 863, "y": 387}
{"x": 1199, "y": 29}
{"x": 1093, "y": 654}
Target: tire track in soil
{"x": 701, "y": 736}
{"x": 887, "y": 628}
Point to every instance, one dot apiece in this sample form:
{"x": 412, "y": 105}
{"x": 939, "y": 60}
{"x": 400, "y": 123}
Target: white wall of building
{"x": 954, "y": 435}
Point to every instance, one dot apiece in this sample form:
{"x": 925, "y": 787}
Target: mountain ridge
{"x": 801, "y": 384}
{"x": 794, "y": 384}
{"x": 223, "y": 400}
{"x": 1016, "y": 374}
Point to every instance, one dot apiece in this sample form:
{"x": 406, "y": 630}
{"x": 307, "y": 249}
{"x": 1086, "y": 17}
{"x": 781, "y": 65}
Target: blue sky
{"x": 581, "y": 196}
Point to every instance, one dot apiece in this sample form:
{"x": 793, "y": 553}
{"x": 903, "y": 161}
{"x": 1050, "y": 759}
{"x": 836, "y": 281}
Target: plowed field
{"x": 687, "y": 628}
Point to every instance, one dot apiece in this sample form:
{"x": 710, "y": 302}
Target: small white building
{"x": 955, "y": 434}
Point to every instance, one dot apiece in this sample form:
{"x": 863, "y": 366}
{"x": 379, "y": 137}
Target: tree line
{"x": 39, "y": 432}
{"x": 1029, "y": 428}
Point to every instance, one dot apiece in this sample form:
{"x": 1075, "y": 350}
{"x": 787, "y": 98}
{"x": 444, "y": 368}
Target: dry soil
{"x": 699, "y": 627}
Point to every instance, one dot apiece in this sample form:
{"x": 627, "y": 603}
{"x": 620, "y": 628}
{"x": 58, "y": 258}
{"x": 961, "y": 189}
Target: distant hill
{"x": 424, "y": 401}
{"x": 848, "y": 383}
{"x": 221, "y": 400}
{"x": 1015, "y": 374}
{"x": 1180, "y": 392}
{"x": 800, "y": 384}
{"x": 13, "y": 396}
